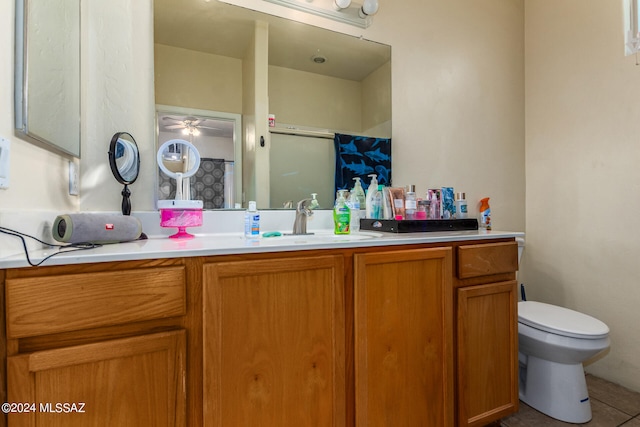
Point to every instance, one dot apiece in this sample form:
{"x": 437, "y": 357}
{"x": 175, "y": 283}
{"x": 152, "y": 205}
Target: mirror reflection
{"x": 218, "y": 182}
{"x": 208, "y": 57}
{"x": 178, "y": 161}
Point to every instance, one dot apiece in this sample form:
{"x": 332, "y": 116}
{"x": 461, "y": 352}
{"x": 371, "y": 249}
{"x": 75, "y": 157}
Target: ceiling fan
{"x": 190, "y": 125}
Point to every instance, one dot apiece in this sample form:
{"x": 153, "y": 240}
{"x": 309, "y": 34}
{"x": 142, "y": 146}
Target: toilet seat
{"x": 560, "y": 321}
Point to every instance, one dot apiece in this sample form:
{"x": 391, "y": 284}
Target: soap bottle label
{"x": 252, "y": 225}
{"x": 485, "y": 219}
{"x": 342, "y": 219}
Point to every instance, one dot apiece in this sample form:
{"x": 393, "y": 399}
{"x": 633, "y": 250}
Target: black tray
{"x": 418, "y": 226}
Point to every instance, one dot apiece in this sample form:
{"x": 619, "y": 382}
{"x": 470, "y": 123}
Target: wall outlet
{"x": 5, "y": 150}
{"x": 73, "y": 179}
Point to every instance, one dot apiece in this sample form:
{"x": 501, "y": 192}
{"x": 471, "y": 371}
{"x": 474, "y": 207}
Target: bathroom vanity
{"x": 412, "y": 330}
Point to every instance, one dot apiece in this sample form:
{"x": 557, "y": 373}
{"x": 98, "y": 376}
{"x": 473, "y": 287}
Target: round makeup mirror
{"x": 179, "y": 159}
{"x": 124, "y": 159}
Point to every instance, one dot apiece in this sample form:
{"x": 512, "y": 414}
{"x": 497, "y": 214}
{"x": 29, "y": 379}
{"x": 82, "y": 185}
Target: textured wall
{"x": 582, "y": 171}
{"x": 186, "y": 78}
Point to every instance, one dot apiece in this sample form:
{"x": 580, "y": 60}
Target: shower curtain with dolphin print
{"x": 360, "y": 156}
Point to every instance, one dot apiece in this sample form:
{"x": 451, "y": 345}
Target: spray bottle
{"x": 485, "y": 214}
{"x": 341, "y": 214}
{"x": 371, "y": 194}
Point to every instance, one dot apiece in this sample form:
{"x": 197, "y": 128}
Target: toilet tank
{"x": 520, "y": 241}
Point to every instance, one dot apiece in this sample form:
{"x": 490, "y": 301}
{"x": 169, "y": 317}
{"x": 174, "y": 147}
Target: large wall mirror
{"x": 47, "y": 73}
{"x": 319, "y": 82}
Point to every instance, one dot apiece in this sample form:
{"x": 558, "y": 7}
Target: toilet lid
{"x": 560, "y": 320}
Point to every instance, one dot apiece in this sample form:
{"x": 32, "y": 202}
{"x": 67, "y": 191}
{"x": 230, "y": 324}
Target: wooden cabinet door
{"x": 487, "y": 352}
{"x": 404, "y": 334}
{"x": 133, "y": 382}
{"x": 274, "y": 343}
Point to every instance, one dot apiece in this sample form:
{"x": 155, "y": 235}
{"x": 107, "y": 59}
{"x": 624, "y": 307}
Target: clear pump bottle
{"x": 410, "y": 204}
{"x": 354, "y": 206}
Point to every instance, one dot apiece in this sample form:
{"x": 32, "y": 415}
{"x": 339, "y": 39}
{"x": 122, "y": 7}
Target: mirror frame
{"x": 25, "y": 95}
{"x": 632, "y": 27}
{"x": 126, "y": 203}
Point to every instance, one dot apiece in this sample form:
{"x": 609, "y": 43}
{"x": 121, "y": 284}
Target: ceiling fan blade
{"x": 174, "y": 127}
{"x": 195, "y": 122}
{"x": 177, "y": 119}
{"x": 208, "y": 127}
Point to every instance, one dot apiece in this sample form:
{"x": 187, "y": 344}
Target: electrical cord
{"x": 74, "y": 246}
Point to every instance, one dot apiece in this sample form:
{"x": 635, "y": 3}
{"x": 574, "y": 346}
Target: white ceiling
{"x": 224, "y": 29}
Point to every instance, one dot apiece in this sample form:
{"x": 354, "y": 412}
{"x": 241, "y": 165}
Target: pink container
{"x": 180, "y": 214}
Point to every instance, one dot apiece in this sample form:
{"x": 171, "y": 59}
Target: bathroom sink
{"x": 319, "y": 237}
{"x": 322, "y": 237}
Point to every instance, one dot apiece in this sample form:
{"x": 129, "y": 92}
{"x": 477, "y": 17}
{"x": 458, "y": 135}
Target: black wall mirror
{"x": 124, "y": 159}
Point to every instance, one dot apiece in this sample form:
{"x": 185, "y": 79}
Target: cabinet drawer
{"x": 486, "y": 259}
{"x": 52, "y": 304}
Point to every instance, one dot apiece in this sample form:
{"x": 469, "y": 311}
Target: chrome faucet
{"x": 304, "y": 210}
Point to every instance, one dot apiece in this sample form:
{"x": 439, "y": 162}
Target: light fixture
{"x": 369, "y": 8}
{"x": 345, "y": 11}
{"x": 341, "y": 4}
{"x": 319, "y": 58}
{"x": 190, "y": 130}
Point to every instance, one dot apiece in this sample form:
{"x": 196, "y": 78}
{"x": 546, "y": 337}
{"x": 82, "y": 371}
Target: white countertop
{"x": 235, "y": 243}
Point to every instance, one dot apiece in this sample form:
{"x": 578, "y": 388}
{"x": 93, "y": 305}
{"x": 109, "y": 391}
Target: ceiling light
{"x": 319, "y": 58}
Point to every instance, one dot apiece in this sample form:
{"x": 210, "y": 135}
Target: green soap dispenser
{"x": 341, "y": 214}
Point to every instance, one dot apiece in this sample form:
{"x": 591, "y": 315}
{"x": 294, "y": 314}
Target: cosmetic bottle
{"x": 371, "y": 193}
{"x": 341, "y": 214}
{"x": 376, "y": 204}
{"x": 461, "y": 206}
{"x": 433, "y": 195}
{"x": 252, "y": 221}
{"x": 387, "y": 210}
{"x": 354, "y": 208}
{"x": 359, "y": 192}
{"x": 422, "y": 209}
{"x": 410, "y": 204}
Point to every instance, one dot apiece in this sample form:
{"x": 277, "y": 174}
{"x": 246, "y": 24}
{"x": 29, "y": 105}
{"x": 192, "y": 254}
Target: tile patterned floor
{"x": 611, "y": 405}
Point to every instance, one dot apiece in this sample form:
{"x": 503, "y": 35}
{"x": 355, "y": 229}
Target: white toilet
{"x": 553, "y": 343}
